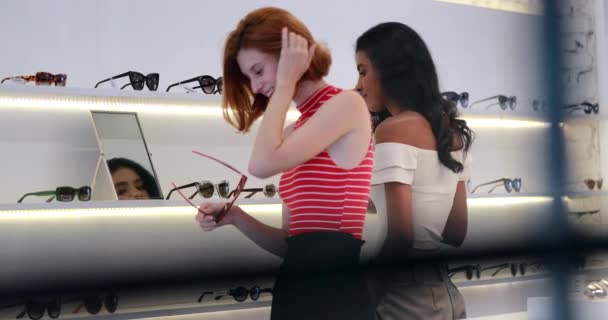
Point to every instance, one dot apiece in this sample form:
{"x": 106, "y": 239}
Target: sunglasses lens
{"x": 111, "y": 302}
{"x": 270, "y": 190}
{"x": 152, "y": 81}
{"x": 599, "y": 183}
{"x": 240, "y": 294}
{"x": 469, "y": 185}
{"x": 464, "y": 99}
{"x": 35, "y": 310}
{"x": 137, "y": 80}
{"x": 223, "y": 189}
{"x": 84, "y": 194}
{"x": 590, "y": 183}
{"x": 254, "y": 293}
{"x": 207, "y": 84}
{"x": 502, "y": 100}
{"x": 54, "y": 308}
{"x": 516, "y": 184}
{"x": 469, "y": 272}
{"x": 44, "y": 78}
{"x": 60, "y": 80}
{"x": 205, "y": 190}
{"x": 220, "y": 85}
{"x": 508, "y": 185}
{"x": 513, "y": 102}
{"x": 65, "y": 194}
{"x": 522, "y": 269}
{"x": 92, "y": 304}
{"x": 513, "y": 269}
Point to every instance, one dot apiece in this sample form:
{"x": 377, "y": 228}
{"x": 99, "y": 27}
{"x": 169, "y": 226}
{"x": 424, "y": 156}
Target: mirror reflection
{"x": 127, "y": 157}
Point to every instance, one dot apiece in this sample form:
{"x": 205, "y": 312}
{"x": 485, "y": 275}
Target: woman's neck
{"x": 305, "y": 89}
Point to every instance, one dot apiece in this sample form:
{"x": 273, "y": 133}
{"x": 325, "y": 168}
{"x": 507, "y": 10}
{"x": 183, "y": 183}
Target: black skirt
{"x": 320, "y": 279}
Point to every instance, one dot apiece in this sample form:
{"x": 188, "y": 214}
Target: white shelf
{"x": 12, "y": 89}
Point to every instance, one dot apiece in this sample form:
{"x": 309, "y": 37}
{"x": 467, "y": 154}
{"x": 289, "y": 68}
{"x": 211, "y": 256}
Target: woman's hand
{"x": 208, "y": 212}
{"x": 295, "y": 58}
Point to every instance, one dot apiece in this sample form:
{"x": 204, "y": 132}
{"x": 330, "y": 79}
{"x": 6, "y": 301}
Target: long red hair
{"x": 261, "y": 29}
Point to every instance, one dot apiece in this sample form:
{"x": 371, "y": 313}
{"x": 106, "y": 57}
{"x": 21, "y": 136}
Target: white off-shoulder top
{"x": 433, "y": 188}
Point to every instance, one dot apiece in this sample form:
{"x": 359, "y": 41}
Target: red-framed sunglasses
{"x": 235, "y": 193}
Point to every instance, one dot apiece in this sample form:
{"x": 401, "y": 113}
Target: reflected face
{"x": 368, "y": 84}
{"x": 260, "y": 68}
{"x": 128, "y": 185}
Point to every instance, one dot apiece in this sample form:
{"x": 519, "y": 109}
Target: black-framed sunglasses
{"x": 35, "y": 309}
{"x": 514, "y": 267}
{"x": 239, "y": 188}
{"x": 63, "y": 194}
{"x": 206, "y": 189}
{"x": 93, "y": 303}
{"x": 539, "y": 105}
{"x": 503, "y": 101}
{"x": 207, "y": 84}
{"x": 509, "y": 184}
{"x": 462, "y": 98}
{"x": 586, "y": 107}
{"x": 239, "y": 294}
{"x": 137, "y": 80}
{"x": 269, "y": 191}
{"x": 579, "y": 214}
{"x": 468, "y": 270}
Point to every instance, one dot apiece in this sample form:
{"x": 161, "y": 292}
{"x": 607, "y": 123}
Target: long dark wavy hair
{"x": 408, "y": 77}
{"x": 148, "y": 180}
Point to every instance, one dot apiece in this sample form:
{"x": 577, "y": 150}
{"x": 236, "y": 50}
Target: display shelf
{"x": 104, "y": 99}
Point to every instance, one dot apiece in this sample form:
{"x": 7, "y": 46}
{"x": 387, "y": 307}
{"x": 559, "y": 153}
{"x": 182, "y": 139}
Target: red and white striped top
{"x": 320, "y": 195}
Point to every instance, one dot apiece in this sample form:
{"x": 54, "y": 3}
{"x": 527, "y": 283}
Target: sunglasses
{"x": 590, "y": 183}
{"x": 582, "y": 213}
{"x": 514, "y": 267}
{"x": 468, "y": 271}
{"x": 35, "y": 309}
{"x": 235, "y": 193}
{"x": 206, "y": 189}
{"x": 136, "y": 80}
{"x": 509, "y": 184}
{"x": 208, "y": 84}
{"x": 538, "y": 105}
{"x": 503, "y": 101}
{"x": 93, "y": 303}
{"x": 454, "y": 97}
{"x": 587, "y": 107}
{"x": 43, "y": 79}
{"x": 269, "y": 191}
{"x": 63, "y": 194}
{"x": 239, "y": 294}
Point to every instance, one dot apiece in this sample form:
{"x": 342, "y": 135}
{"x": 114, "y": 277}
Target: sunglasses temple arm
{"x": 24, "y": 196}
{"x": 171, "y": 86}
{"x": 482, "y": 100}
{"x": 193, "y": 195}
{"x": 128, "y": 84}
{"x": 485, "y": 184}
{"x": 50, "y": 199}
{"x": 112, "y": 78}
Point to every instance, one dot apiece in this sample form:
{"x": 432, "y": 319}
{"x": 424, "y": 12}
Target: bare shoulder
{"x": 348, "y": 106}
{"x": 348, "y": 100}
{"x": 409, "y": 128}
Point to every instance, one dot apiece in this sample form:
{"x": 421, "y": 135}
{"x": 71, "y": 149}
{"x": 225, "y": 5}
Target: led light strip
{"x": 506, "y": 201}
{"x": 86, "y": 213}
{"x": 504, "y": 123}
{"x": 271, "y": 209}
{"x": 520, "y": 6}
{"x": 188, "y": 107}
